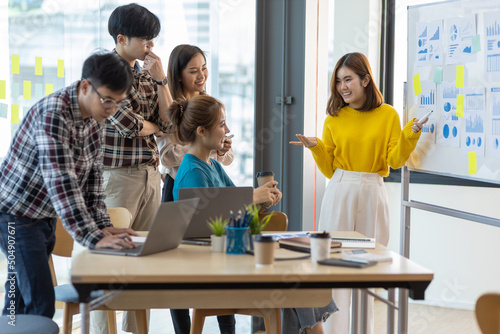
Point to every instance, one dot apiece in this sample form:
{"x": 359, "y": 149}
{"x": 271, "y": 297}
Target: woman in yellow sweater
{"x": 362, "y": 138}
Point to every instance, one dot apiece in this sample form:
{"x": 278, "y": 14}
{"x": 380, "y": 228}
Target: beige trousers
{"x": 354, "y": 202}
{"x": 137, "y": 188}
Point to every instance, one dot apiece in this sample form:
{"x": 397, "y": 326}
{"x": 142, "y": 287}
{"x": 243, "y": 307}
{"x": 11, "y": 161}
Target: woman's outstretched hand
{"x": 306, "y": 141}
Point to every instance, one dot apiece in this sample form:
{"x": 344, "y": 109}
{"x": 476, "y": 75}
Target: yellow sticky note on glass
{"x": 49, "y": 89}
{"x": 15, "y": 64}
{"x": 3, "y": 90}
{"x": 14, "y": 111}
{"x": 472, "y": 163}
{"x": 460, "y": 76}
{"x": 60, "y": 68}
{"x": 38, "y": 66}
{"x": 416, "y": 84}
{"x": 476, "y": 44}
{"x": 27, "y": 90}
{"x": 460, "y": 105}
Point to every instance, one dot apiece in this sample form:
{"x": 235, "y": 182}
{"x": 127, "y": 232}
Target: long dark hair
{"x": 358, "y": 63}
{"x": 178, "y": 60}
{"x": 187, "y": 116}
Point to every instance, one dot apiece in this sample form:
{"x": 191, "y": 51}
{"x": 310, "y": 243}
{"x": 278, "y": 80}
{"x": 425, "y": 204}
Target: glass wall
{"x": 46, "y": 41}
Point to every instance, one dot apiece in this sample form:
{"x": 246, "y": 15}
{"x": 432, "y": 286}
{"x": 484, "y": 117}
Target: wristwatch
{"x": 162, "y": 82}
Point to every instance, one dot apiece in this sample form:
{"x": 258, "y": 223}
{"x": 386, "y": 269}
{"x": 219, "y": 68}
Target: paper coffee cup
{"x": 263, "y": 246}
{"x": 320, "y": 246}
{"x": 264, "y": 177}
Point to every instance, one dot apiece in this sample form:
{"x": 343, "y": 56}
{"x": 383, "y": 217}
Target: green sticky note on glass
{"x": 38, "y": 66}
{"x": 3, "y": 90}
{"x": 38, "y": 91}
{"x": 438, "y": 75}
{"x": 460, "y": 105}
{"x": 27, "y": 90}
{"x": 15, "y": 90}
{"x": 472, "y": 163}
{"x": 3, "y": 110}
{"x": 60, "y": 68}
{"x": 460, "y": 76}
{"x": 49, "y": 89}
{"x": 14, "y": 110}
{"x": 15, "y": 64}
{"x": 25, "y": 111}
{"x": 416, "y": 84}
{"x": 476, "y": 44}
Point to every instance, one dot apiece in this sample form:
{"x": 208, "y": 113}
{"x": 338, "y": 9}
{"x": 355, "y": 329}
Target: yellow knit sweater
{"x": 364, "y": 141}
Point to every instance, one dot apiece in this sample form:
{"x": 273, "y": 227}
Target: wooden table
{"x": 194, "y": 277}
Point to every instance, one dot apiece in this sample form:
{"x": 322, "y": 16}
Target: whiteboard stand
{"x": 404, "y": 246}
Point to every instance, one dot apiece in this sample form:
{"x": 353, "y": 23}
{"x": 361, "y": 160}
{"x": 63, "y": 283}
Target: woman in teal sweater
{"x": 201, "y": 122}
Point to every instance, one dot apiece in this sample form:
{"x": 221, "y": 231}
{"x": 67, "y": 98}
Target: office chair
{"x": 278, "y": 222}
{"x": 66, "y": 295}
{"x": 488, "y": 313}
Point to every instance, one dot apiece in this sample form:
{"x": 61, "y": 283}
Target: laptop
{"x": 171, "y": 222}
{"x": 214, "y": 202}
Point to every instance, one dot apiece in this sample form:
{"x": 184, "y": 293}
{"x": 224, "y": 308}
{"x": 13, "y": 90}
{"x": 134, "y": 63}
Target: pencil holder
{"x": 236, "y": 240}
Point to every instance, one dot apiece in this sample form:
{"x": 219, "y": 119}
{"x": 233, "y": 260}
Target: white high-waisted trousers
{"x": 354, "y": 201}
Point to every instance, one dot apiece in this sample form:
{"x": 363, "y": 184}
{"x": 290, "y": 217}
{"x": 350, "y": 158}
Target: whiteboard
{"x": 442, "y": 37}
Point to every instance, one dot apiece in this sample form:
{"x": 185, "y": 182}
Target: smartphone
{"x": 229, "y": 136}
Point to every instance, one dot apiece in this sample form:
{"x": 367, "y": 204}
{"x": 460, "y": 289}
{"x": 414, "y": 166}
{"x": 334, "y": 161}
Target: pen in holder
{"x": 236, "y": 240}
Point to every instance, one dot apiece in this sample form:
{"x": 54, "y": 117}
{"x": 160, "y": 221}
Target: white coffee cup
{"x": 320, "y": 246}
{"x": 263, "y": 250}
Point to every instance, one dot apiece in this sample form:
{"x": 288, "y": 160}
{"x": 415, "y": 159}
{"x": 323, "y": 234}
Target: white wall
{"x": 464, "y": 255}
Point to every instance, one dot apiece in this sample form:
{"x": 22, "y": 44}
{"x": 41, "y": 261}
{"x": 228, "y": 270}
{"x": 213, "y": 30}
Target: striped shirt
{"x": 54, "y": 167}
{"x": 122, "y": 145}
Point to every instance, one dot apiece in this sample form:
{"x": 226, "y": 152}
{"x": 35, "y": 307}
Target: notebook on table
{"x": 301, "y": 244}
{"x": 356, "y": 242}
{"x": 214, "y": 202}
{"x": 171, "y": 222}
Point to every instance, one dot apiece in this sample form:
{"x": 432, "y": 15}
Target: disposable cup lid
{"x": 261, "y": 174}
{"x": 263, "y": 238}
{"x": 323, "y": 234}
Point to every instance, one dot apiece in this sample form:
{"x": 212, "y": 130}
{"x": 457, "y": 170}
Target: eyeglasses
{"x": 107, "y": 103}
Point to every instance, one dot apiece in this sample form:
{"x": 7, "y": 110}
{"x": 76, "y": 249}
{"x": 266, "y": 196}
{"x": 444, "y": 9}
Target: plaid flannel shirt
{"x": 54, "y": 167}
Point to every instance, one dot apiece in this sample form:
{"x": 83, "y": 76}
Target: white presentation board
{"x": 454, "y": 70}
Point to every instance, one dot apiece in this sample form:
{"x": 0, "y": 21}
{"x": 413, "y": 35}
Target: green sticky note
{"x": 476, "y": 44}
{"x": 472, "y": 163}
{"x": 38, "y": 91}
{"x": 27, "y": 90}
{"x": 3, "y": 110}
{"x": 14, "y": 110}
{"x": 3, "y": 90}
{"x": 438, "y": 75}
{"x": 460, "y": 76}
{"x": 15, "y": 90}
{"x": 38, "y": 66}
{"x": 60, "y": 68}
{"x": 460, "y": 105}
{"x": 25, "y": 111}
{"x": 49, "y": 89}
{"x": 416, "y": 84}
{"x": 15, "y": 64}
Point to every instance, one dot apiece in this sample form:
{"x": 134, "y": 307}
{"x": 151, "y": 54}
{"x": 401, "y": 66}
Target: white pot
{"x": 218, "y": 243}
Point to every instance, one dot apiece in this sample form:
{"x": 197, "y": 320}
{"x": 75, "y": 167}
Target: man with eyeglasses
{"x": 130, "y": 152}
{"x": 54, "y": 168}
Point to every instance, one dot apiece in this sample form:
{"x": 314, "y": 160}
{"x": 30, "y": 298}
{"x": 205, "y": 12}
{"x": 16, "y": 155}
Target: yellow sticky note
{"x": 3, "y": 90}
{"x": 14, "y": 109}
{"x": 49, "y": 89}
{"x": 38, "y": 66}
{"x": 60, "y": 68}
{"x": 15, "y": 64}
{"x": 460, "y": 105}
{"x": 416, "y": 84}
{"x": 472, "y": 163}
{"x": 460, "y": 76}
{"x": 27, "y": 90}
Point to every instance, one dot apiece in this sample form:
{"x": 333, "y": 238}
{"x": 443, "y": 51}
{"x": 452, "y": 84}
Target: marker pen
{"x": 420, "y": 121}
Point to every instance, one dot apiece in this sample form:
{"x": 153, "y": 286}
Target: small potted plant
{"x": 256, "y": 225}
{"x": 218, "y": 239}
